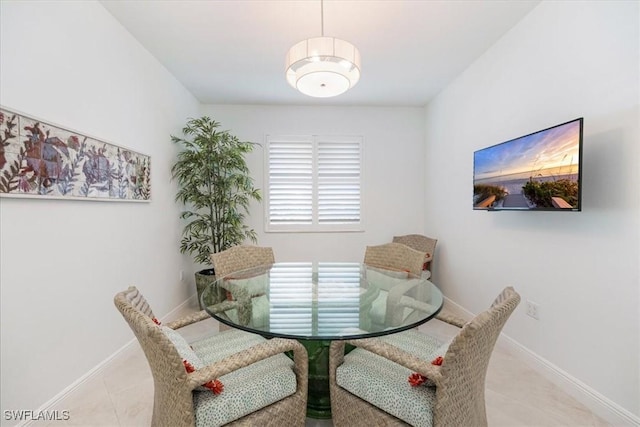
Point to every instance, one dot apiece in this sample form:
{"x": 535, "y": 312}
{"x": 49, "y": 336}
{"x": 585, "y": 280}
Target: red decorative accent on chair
{"x": 416, "y": 379}
{"x": 215, "y": 386}
{"x": 188, "y": 366}
{"x": 156, "y": 321}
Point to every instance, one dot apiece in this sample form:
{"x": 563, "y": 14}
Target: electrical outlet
{"x": 533, "y": 310}
{"x": 181, "y": 276}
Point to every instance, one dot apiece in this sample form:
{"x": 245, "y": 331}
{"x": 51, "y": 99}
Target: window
{"x": 314, "y": 183}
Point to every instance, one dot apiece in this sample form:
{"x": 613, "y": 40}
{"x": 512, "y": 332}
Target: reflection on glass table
{"x": 317, "y": 302}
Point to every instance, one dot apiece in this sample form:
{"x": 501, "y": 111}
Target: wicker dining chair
{"x": 423, "y": 244}
{"x": 388, "y": 267}
{"x": 370, "y": 385}
{"x": 395, "y": 256}
{"x": 428, "y": 245}
{"x": 239, "y": 258}
{"x": 259, "y": 384}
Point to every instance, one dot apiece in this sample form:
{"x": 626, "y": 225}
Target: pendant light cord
{"x": 322, "y": 18}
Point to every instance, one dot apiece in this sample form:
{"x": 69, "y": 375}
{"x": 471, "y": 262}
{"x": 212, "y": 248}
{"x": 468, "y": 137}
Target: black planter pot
{"x": 204, "y": 278}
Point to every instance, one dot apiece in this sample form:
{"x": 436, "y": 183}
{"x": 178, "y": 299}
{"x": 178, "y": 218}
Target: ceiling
{"x": 233, "y": 51}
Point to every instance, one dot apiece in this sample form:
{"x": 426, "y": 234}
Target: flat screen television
{"x": 536, "y": 172}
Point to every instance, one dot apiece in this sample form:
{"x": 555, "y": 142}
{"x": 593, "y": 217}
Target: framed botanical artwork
{"x": 40, "y": 159}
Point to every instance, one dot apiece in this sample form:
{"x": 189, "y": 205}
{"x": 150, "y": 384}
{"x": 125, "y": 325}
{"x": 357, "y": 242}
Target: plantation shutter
{"x": 314, "y": 183}
{"x": 290, "y": 167}
{"x": 339, "y": 181}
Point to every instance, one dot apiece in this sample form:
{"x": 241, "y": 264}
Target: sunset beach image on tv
{"x": 539, "y": 171}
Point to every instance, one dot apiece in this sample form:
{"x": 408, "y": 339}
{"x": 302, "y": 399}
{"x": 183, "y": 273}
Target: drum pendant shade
{"x": 323, "y": 67}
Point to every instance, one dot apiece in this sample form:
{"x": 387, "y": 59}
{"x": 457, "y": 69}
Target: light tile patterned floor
{"x": 122, "y": 393}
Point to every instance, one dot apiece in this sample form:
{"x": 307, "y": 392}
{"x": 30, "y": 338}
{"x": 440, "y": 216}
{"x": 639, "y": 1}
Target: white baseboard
{"x": 600, "y": 405}
{"x": 47, "y": 406}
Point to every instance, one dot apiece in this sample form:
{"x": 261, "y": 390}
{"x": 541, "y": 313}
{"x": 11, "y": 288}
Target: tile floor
{"x": 121, "y": 394}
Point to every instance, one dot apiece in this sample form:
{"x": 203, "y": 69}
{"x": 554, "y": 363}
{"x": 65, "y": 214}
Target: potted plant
{"x": 215, "y": 187}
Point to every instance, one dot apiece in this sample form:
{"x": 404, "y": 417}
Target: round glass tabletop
{"x": 322, "y": 300}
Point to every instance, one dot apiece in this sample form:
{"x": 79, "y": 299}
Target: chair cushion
{"x": 184, "y": 349}
{"x": 383, "y": 280}
{"x": 379, "y": 315}
{"x": 420, "y": 345}
{"x": 260, "y": 307}
{"x": 260, "y": 312}
{"x": 245, "y": 390}
{"x": 378, "y": 311}
{"x": 190, "y": 359}
{"x": 385, "y": 384}
{"x": 256, "y": 285}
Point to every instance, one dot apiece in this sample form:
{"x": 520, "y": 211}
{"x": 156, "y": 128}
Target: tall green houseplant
{"x": 216, "y": 189}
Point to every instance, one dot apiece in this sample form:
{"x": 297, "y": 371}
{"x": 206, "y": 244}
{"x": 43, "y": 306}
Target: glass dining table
{"x": 318, "y": 302}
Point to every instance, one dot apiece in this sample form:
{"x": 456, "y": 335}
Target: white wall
{"x": 62, "y": 261}
{"x": 564, "y": 60}
{"x": 393, "y": 171}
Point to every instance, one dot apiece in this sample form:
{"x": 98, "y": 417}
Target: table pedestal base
{"x": 319, "y": 400}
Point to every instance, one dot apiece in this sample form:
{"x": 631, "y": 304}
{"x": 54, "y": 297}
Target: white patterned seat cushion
{"x": 245, "y": 390}
{"x": 385, "y": 384}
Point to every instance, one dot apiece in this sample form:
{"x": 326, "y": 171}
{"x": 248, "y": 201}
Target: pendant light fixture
{"x": 323, "y": 66}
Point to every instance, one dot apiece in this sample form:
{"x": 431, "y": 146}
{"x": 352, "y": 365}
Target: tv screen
{"x": 539, "y": 171}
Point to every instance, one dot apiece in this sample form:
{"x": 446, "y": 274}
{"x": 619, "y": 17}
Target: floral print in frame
{"x": 38, "y": 159}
